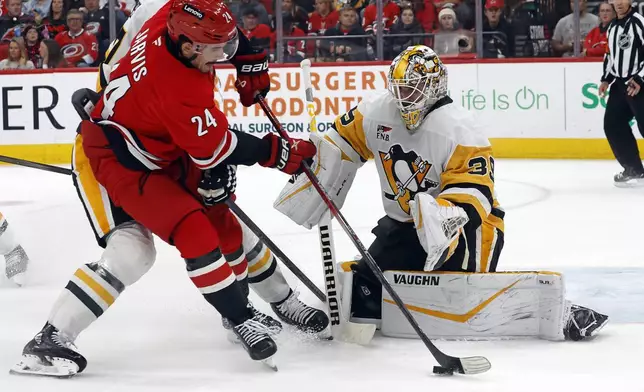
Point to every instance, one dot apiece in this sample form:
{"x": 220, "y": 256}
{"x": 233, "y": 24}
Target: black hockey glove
{"x": 218, "y": 184}
{"x": 252, "y": 71}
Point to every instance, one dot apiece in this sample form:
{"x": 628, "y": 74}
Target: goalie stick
{"x": 341, "y": 328}
{"x": 448, "y": 364}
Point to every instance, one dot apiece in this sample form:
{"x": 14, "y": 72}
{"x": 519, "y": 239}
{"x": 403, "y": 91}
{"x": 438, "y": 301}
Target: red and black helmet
{"x": 208, "y": 24}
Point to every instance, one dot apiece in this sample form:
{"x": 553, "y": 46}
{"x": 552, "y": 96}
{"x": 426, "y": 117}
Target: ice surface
{"x": 162, "y": 336}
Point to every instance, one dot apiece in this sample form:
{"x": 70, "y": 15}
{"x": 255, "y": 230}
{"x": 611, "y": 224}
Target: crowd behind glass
{"x": 76, "y": 33}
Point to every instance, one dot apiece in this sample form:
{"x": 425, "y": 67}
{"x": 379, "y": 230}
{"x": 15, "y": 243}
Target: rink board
{"x": 529, "y": 110}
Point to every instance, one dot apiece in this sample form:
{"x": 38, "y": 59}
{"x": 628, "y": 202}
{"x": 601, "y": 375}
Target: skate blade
{"x": 630, "y": 184}
{"x": 270, "y": 362}
{"x": 33, "y": 366}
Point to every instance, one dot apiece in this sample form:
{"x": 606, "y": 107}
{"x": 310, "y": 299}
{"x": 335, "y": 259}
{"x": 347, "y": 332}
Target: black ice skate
{"x": 50, "y": 353}
{"x": 253, "y": 335}
{"x": 273, "y": 327}
{"x": 16, "y": 263}
{"x": 583, "y": 323}
{"x": 298, "y": 314}
{"x": 629, "y": 179}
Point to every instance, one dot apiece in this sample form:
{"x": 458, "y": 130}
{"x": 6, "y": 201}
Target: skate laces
{"x": 295, "y": 309}
{"x": 252, "y": 331}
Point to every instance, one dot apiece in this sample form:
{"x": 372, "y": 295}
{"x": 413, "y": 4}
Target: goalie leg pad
{"x": 452, "y": 305}
{"x": 301, "y": 202}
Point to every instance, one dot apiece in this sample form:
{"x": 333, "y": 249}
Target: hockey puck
{"x": 443, "y": 371}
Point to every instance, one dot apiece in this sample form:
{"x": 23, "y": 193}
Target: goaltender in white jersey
{"x": 441, "y": 238}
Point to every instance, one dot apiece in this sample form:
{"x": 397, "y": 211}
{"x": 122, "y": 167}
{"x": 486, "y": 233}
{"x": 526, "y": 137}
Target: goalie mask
{"x": 417, "y": 80}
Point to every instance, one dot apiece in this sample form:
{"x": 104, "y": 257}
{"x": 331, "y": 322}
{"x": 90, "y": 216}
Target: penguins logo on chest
{"x": 406, "y": 174}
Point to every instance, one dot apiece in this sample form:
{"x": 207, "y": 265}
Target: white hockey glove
{"x": 300, "y": 201}
{"x": 438, "y": 228}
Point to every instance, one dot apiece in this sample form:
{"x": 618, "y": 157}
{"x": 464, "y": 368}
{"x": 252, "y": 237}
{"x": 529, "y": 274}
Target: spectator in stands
{"x": 298, "y": 14}
{"x": 50, "y": 55}
{"x": 17, "y": 57}
{"x": 32, "y": 43}
{"x": 345, "y": 49}
{"x": 294, "y": 49}
{"x": 463, "y": 10}
{"x": 320, "y": 20}
{"x": 259, "y": 34}
{"x": 596, "y": 43}
{"x": 390, "y": 13}
{"x": 97, "y": 22}
{"x": 238, "y": 8}
{"x": 37, "y": 9}
{"x": 562, "y": 41}
{"x": 498, "y": 36}
{"x": 450, "y": 39}
{"x": 56, "y": 20}
{"x": 14, "y": 18}
{"x": 79, "y": 47}
{"x": 406, "y": 24}
{"x": 425, "y": 13}
{"x": 532, "y": 31}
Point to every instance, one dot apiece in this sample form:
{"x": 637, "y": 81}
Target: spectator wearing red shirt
{"x": 79, "y": 47}
{"x": 390, "y": 12}
{"x": 596, "y": 43}
{"x": 3, "y": 7}
{"x": 426, "y": 14}
{"x": 294, "y": 50}
{"x": 257, "y": 33}
{"x": 55, "y": 22}
{"x": 323, "y": 18}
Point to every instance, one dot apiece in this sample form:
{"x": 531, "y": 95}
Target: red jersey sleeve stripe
{"x": 225, "y": 148}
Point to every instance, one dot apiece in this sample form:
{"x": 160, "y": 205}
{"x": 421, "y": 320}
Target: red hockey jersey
{"x": 79, "y": 47}
{"x": 596, "y": 43}
{"x": 318, "y": 23}
{"x": 390, "y": 11}
{"x": 161, "y": 107}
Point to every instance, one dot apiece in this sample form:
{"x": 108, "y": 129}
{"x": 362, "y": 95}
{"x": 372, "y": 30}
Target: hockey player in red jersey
{"x": 156, "y": 138}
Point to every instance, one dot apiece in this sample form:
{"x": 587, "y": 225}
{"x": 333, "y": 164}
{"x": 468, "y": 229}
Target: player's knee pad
{"x": 264, "y": 275}
{"x": 129, "y": 254}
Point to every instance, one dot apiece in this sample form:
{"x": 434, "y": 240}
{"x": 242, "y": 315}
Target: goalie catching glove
{"x": 438, "y": 224}
{"x": 300, "y": 201}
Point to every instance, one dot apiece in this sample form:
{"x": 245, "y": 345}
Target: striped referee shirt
{"x": 625, "y": 56}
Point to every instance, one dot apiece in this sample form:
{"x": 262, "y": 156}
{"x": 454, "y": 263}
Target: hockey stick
{"x": 273, "y": 248}
{"x": 341, "y": 326}
{"x": 231, "y": 204}
{"x": 449, "y": 364}
{"x": 35, "y": 165}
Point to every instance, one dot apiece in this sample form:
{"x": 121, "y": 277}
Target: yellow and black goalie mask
{"x": 417, "y": 80}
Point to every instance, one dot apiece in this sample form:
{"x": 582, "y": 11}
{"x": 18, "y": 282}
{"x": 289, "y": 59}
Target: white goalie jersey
{"x": 447, "y": 157}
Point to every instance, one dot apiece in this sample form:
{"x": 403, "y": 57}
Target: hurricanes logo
{"x": 406, "y": 174}
{"x": 72, "y": 50}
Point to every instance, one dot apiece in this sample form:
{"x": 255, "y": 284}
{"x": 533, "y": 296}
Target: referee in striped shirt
{"x": 624, "y": 72}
